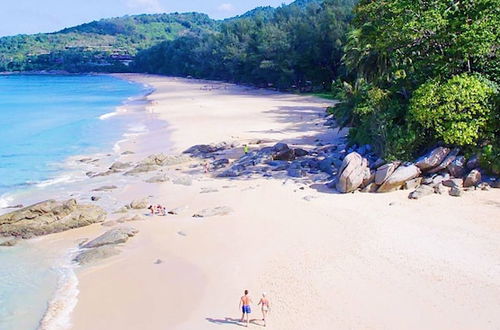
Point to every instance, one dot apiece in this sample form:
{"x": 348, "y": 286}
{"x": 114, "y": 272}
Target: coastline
{"x": 376, "y": 261}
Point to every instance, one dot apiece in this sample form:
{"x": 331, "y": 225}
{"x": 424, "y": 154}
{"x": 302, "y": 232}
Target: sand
{"x": 355, "y": 261}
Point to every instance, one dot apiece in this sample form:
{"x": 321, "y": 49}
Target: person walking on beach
{"x": 264, "y": 307}
{"x": 245, "y": 302}
{"x": 245, "y": 149}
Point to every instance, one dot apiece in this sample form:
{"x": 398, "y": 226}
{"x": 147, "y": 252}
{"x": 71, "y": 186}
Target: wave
{"x": 60, "y": 307}
{"x": 65, "y": 178}
{"x": 108, "y": 115}
{"x": 5, "y": 201}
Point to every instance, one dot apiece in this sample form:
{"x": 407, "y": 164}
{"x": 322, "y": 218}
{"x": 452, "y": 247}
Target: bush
{"x": 458, "y": 112}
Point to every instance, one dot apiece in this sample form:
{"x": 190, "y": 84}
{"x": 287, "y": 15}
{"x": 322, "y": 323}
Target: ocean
{"x": 44, "y": 119}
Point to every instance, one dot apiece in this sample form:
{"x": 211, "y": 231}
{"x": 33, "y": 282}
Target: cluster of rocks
{"x": 209, "y": 150}
{"x": 441, "y": 170}
{"x": 49, "y": 217}
{"x": 105, "y": 245}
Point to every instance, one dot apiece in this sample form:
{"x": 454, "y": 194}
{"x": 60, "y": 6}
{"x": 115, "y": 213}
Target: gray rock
{"x": 203, "y": 150}
{"x": 93, "y": 255}
{"x": 158, "y": 261}
{"x": 453, "y": 183}
{"x": 439, "y": 189}
{"x": 484, "y": 186}
{"x": 95, "y": 198}
{"x": 472, "y": 179}
{"x": 106, "y": 173}
{"x": 49, "y": 217}
{"x": 139, "y": 204}
{"x": 412, "y": 184}
{"x": 456, "y": 192}
{"x": 278, "y": 147}
{"x": 120, "y": 166}
{"x": 141, "y": 168}
{"x": 351, "y": 173}
{"x": 161, "y": 178}
{"x": 457, "y": 167}
{"x": 111, "y": 237}
{"x": 399, "y": 177}
{"x": 371, "y": 188}
{"x": 110, "y": 223}
{"x": 447, "y": 161}
{"x": 327, "y": 165}
{"x": 421, "y": 191}
{"x": 181, "y": 233}
{"x": 185, "y": 180}
{"x": 296, "y": 172}
{"x": 385, "y": 171}
{"x": 300, "y": 152}
{"x": 216, "y": 211}
{"x": 432, "y": 159}
{"x": 128, "y": 152}
{"x": 287, "y": 155}
{"x": 473, "y": 162}
{"x": 220, "y": 163}
{"x": 439, "y": 179}
{"x": 105, "y": 188}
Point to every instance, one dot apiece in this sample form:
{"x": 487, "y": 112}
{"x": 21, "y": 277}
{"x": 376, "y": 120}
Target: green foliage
{"x": 293, "y": 47}
{"x": 457, "y": 111}
{"x": 490, "y": 158}
{"x": 421, "y": 73}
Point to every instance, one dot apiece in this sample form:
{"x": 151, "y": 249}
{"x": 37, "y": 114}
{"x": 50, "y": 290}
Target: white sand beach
{"x": 326, "y": 260}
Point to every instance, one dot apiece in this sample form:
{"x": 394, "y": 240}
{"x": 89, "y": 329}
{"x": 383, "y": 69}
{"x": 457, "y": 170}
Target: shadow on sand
{"x": 233, "y": 321}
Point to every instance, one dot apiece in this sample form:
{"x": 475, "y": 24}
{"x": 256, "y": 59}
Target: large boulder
{"x": 421, "y": 191}
{"x": 385, "y": 171}
{"x": 49, "y": 217}
{"x": 204, "y": 150}
{"x": 287, "y": 155}
{"x": 113, "y": 236}
{"x": 447, "y": 161}
{"x": 93, "y": 255}
{"x": 399, "y": 177}
{"x": 457, "y": 167}
{"x": 120, "y": 166}
{"x": 432, "y": 159}
{"x": 352, "y": 173}
{"x": 138, "y": 204}
{"x": 472, "y": 179}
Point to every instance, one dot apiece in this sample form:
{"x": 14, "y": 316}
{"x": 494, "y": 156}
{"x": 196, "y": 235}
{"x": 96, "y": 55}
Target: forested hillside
{"x": 107, "y": 45}
{"x": 294, "y": 46}
{"x": 421, "y": 75}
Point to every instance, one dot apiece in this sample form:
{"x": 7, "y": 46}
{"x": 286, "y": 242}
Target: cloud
{"x": 226, "y": 7}
{"x": 146, "y": 5}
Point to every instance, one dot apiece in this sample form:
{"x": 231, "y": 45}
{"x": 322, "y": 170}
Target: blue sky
{"x": 33, "y": 16}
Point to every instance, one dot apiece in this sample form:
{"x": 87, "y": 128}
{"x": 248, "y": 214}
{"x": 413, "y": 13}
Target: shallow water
{"x": 43, "y": 121}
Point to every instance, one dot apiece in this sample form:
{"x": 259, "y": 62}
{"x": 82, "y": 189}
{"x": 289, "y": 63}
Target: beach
{"x": 325, "y": 260}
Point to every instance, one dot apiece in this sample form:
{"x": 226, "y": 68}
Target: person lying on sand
{"x": 245, "y": 302}
{"x": 265, "y": 307}
{"x": 152, "y": 209}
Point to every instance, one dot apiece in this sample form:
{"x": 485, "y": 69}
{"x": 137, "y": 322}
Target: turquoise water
{"x": 44, "y": 120}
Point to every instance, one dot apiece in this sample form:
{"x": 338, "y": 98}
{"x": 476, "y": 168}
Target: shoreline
{"x": 348, "y": 260}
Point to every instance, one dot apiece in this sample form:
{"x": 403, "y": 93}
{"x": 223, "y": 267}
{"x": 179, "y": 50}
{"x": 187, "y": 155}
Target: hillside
{"x": 105, "y": 45}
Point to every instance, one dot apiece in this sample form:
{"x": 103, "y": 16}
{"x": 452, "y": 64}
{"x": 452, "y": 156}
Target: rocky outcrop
{"x": 399, "y": 177}
{"x": 112, "y": 236}
{"x": 216, "y": 211}
{"x": 9, "y": 242}
{"x": 446, "y": 162}
{"x": 93, "y": 255}
{"x": 472, "y": 179}
{"x": 432, "y": 159}
{"x": 141, "y": 168}
{"x": 120, "y": 166}
{"x": 204, "y": 150}
{"x": 385, "y": 171}
{"x": 352, "y": 173}
{"x": 49, "y": 217}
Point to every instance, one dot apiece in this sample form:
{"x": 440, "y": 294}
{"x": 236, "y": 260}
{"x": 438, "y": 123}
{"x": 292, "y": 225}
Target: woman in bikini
{"x": 265, "y": 307}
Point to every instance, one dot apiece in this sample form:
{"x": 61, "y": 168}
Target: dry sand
{"x": 356, "y": 261}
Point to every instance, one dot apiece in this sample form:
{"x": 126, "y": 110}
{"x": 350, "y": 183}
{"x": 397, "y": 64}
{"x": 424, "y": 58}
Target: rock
{"x": 326, "y": 165}
{"x": 216, "y": 211}
{"x": 421, "y": 191}
{"x": 352, "y": 173}
{"x": 107, "y": 173}
{"x": 49, "y": 217}
{"x": 110, "y": 223}
{"x": 453, "y": 183}
{"x": 473, "y": 162}
{"x": 371, "y": 188}
{"x": 300, "y": 152}
{"x": 94, "y": 255}
{"x": 141, "y": 168}
{"x": 185, "y": 180}
{"x": 456, "y": 192}
{"x": 161, "y": 178}
{"x": 158, "y": 261}
{"x": 278, "y": 147}
{"x": 220, "y": 163}
{"x": 484, "y": 186}
{"x": 120, "y": 166}
{"x": 95, "y": 198}
{"x": 447, "y": 161}
{"x": 105, "y": 188}
{"x": 457, "y": 167}
{"x": 278, "y": 165}
{"x": 309, "y": 198}
{"x": 412, "y": 184}
{"x": 112, "y": 237}
{"x": 181, "y": 233}
{"x": 139, "y": 204}
{"x": 439, "y": 179}
{"x": 296, "y": 172}
{"x": 10, "y": 242}
{"x": 472, "y": 179}
{"x": 432, "y": 159}
{"x": 385, "y": 171}
{"x": 128, "y": 152}
{"x": 204, "y": 150}
{"x": 439, "y": 189}
{"x": 377, "y": 163}
{"x": 287, "y": 155}
{"x": 399, "y": 177}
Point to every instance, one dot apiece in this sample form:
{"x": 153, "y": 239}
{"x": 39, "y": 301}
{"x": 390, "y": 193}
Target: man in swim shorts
{"x": 245, "y": 302}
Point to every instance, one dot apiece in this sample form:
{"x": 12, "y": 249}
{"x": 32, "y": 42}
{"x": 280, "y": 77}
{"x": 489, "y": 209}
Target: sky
{"x": 34, "y": 16}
